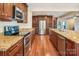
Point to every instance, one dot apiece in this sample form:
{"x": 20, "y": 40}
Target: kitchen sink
{"x": 24, "y": 33}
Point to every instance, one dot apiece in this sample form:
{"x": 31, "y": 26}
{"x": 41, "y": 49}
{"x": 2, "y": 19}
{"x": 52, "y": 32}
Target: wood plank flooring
{"x": 42, "y": 47}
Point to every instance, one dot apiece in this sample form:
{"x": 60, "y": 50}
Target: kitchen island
{"x": 13, "y": 45}
{"x": 66, "y": 42}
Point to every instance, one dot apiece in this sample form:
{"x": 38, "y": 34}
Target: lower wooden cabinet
{"x": 61, "y": 45}
{"x": 22, "y": 47}
{"x": 15, "y": 50}
{"x": 53, "y": 39}
{"x": 70, "y": 48}
{"x": 64, "y": 46}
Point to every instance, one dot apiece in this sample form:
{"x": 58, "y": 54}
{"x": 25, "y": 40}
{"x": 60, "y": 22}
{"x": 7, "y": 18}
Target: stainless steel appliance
{"x": 27, "y": 43}
{"x": 18, "y": 14}
{"x": 42, "y": 26}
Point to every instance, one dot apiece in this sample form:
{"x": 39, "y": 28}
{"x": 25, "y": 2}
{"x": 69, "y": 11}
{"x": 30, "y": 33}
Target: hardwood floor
{"x": 42, "y": 47}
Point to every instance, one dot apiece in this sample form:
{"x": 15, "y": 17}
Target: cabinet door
{"x": 61, "y": 45}
{"x": 35, "y": 21}
{"x": 1, "y": 8}
{"x": 77, "y": 47}
{"x": 8, "y": 9}
{"x": 49, "y": 21}
{"x": 16, "y": 49}
{"x": 70, "y": 48}
{"x": 53, "y": 38}
{"x": 20, "y": 48}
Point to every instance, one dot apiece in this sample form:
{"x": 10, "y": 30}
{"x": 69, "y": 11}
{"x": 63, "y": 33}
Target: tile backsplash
{"x": 2, "y": 24}
{"x": 12, "y": 23}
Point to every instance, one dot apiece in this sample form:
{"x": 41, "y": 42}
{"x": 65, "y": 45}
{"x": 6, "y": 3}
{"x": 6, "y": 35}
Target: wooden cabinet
{"x": 64, "y": 46}
{"x": 6, "y": 11}
{"x": 59, "y": 42}
{"x": 54, "y": 39}
{"x": 61, "y": 45}
{"x": 35, "y": 23}
{"x": 1, "y": 8}
{"x": 70, "y": 48}
{"x": 49, "y": 22}
{"x": 15, "y": 50}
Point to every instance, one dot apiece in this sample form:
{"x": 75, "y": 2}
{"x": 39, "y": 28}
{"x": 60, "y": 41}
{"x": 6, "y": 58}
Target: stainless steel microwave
{"x": 18, "y": 14}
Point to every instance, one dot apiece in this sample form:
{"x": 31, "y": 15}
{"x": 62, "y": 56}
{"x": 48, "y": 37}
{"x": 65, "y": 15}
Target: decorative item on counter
{"x": 11, "y": 30}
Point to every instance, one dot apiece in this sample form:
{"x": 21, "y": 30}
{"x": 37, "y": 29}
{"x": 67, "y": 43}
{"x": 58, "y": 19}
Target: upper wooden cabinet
{"x": 1, "y": 8}
{"x": 7, "y": 11}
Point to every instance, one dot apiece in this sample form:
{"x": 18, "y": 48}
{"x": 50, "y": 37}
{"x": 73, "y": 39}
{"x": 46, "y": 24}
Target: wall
{"x": 77, "y": 25}
{"x": 71, "y": 23}
{"x": 21, "y": 25}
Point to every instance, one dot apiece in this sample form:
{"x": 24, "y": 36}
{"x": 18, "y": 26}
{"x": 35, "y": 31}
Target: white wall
{"x": 77, "y": 25}
{"x": 55, "y": 7}
{"x": 21, "y": 25}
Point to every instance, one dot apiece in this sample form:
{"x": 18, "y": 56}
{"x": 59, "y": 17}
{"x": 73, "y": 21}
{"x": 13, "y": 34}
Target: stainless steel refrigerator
{"x": 42, "y": 26}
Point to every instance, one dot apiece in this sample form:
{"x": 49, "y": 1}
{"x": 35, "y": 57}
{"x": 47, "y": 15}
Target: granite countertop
{"x": 7, "y": 41}
{"x": 26, "y": 30}
{"x": 71, "y": 35}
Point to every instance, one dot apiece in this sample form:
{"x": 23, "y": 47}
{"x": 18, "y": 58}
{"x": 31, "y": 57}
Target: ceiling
{"x": 55, "y": 9}
{"x": 53, "y": 13}
{"x": 54, "y": 6}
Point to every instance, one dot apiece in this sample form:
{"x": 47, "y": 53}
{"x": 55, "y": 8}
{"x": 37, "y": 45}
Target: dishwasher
{"x": 27, "y": 44}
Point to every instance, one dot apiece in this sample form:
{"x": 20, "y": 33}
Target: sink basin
{"x": 24, "y": 33}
